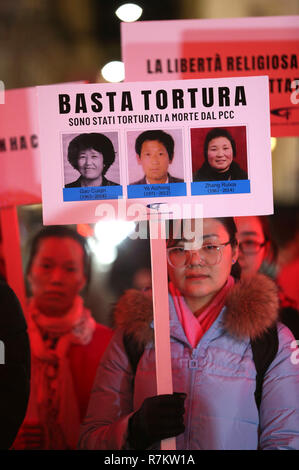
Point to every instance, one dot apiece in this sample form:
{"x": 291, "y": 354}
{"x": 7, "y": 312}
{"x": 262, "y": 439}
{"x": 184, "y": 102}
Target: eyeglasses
{"x": 251, "y": 247}
{"x": 209, "y": 254}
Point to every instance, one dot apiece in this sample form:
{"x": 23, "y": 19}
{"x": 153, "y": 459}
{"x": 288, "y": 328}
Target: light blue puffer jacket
{"x": 218, "y": 377}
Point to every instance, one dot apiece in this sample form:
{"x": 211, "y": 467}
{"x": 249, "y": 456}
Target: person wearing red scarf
{"x": 66, "y": 342}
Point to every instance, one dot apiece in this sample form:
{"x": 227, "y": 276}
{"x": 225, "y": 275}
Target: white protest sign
{"x": 187, "y": 112}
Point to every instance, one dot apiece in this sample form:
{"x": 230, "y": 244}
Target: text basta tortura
{"x": 176, "y": 98}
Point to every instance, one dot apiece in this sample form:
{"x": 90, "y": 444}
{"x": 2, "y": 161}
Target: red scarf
{"x": 53, "y": 400}
{"x": 195, "y": 327}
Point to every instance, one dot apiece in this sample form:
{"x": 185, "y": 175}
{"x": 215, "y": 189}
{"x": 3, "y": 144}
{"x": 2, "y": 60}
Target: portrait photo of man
{"x": 155, "y": 151}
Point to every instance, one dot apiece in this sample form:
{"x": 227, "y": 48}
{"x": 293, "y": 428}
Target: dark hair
{"x": 231, "y": 228}
{"x": 96, "y": 141}
{"x": 176, "y": 226}
{"x": 160, "y": 136}
{"x": 60, "y": 231}
{"x": 265, "y": 226}
{"x": 218, "y": 132}
{"x": 269, "y": 264}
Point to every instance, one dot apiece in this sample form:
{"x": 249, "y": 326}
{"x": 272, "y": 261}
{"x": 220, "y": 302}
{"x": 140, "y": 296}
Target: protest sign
{"x": 214, "y": 48}
{"x": 79, "y": 122}
{"x": 20, "y": 174}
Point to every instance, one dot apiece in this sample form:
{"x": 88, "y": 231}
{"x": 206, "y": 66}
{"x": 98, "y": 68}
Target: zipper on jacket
{"x": 193, "y": 365}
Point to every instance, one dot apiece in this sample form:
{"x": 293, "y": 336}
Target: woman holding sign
{"x": 214, "y": 322}
{"x": 91, "y": 155}
{"x": 219, "y": 153}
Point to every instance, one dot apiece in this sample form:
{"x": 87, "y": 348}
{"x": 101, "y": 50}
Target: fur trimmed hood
{"x": 252, "y": 308}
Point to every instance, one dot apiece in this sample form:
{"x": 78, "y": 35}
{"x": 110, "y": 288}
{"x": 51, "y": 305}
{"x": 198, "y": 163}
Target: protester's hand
{"x": 30, "y": 437}
{"x": 159, "y": 417}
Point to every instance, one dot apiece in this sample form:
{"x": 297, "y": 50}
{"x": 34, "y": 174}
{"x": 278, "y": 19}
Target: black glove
{"x": 158, "y": 418}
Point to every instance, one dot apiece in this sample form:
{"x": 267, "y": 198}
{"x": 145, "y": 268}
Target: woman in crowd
{"x": 258, "y": 253}
{"x": 213, "y": 322}
{"x": 91, "y": 155}
{"x": 66, "y": 342}
{"x": 219, "y": 153}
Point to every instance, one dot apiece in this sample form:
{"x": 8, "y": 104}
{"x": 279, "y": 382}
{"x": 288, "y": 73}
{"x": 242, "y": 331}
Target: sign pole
{"x": 161, "y": 315}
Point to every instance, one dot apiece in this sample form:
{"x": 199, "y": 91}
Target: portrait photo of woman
{"x": 219, "y": 154}
{"x": 91, "y": 155}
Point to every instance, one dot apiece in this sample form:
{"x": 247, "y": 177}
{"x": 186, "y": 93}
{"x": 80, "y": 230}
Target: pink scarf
{"x": 195, "y": 327}
{"x": 53, "y": 401}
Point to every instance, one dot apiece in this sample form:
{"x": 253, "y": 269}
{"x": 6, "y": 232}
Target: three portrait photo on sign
{"x": 154, "y": 157}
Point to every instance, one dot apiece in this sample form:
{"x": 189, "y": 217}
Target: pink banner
{"x": 20, "y": 173}
{"x": 188, "y": 49}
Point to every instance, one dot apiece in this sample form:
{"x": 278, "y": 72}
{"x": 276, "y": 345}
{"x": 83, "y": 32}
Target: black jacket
{"x": 77, "y": 183}
{"x": 206, "y": 173}
{"x": 14, "y": 366}
{"x": 289, "y": 314}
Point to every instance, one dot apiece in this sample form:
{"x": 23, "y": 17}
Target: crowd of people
{"x": 74, "y": 383}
